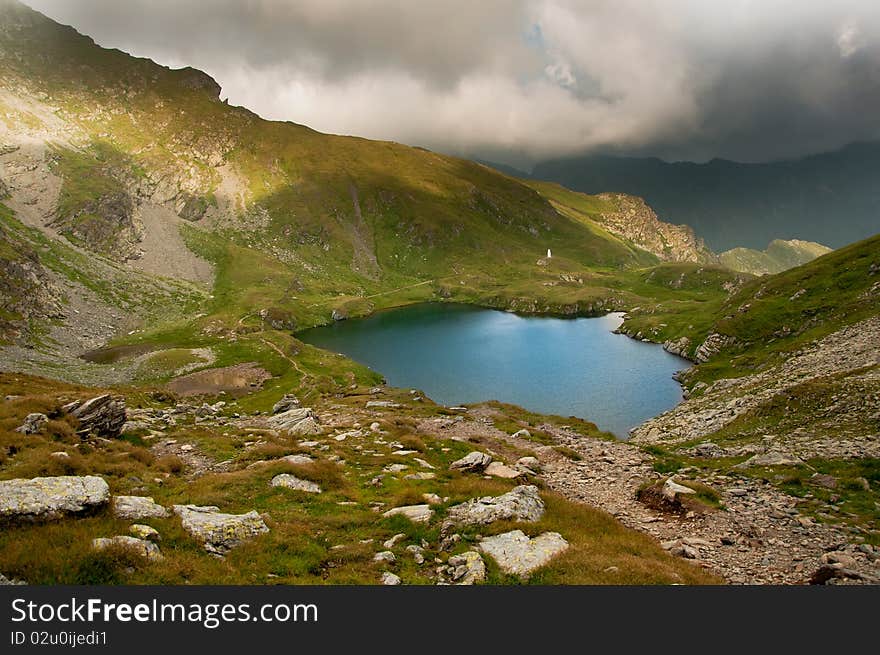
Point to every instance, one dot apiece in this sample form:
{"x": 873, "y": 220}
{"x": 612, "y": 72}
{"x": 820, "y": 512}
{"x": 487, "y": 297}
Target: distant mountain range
{"x": 832, "y": 198}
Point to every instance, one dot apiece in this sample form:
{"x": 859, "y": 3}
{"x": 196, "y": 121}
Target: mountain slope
{"x": 146, "y": 169}
{"x": 777, "y": 257}
{"x": 832, "y": 198}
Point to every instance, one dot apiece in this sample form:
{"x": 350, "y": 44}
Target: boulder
{"x": 297, "y": 421}
{"x": 288, "y": 481}
{"x": 671, "y": 489}
{"x": 473, "y": 462}
{"x": 136, "y": 508}
{"x": 388, "y": 578}
{"x": 529, "y": 463}
{"x": 142, "y": 531}
{"x": 522, "y": 434}
{"x": 287, "y": 402}
{"x": 385, "y": 556}
{"x": 219, "y": 532}
{"x": 296, "y": 459}
{"x": 144, "y": 548}
{"x": 522, "y": 503}
{"x": 499, "y": 470}
{"x": 33, "y": 423}
{"x": 467, "y": 568}
{"x": 102, "y": 416}
{"x": 49, "y": 498}
{"x": 773, "y": 458}
{"x": 415, "y": 513}
{"x": 517, "y": 554}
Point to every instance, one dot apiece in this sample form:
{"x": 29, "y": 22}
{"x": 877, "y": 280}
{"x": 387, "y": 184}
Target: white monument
{"x": 548, "y": 253}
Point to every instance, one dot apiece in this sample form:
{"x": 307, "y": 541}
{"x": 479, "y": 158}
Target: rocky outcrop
{"x": 288, "y": 481}
{"x": 473, "y": 462}
{"x": 680, "y": 347}
{"x": 522, "y": 503}
{"x": 51, "y": 498}
{"x": 298, "y": 421}
{"x": 713, "y": 345}
{"x": 33, "y": 423}
{"x": 287, "y": 402}
{"x": 467, "y": 568}
{"x": 102, "y": 416}
{"x": 517, "y": 554}
{"x": 635, "y": 221}
{"x": 136, "y": 508}
{"x": 219, "y": 532}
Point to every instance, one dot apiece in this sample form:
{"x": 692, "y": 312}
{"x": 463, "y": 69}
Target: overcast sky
{"x": 520, "y": 80}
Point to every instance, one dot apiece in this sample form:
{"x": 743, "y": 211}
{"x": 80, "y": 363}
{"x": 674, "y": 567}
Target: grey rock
{"x": 500, "y": 470}
{"x": 296, "y": 459}
{"x": 297, "y": 421}
{"x": 415, "y": 513}
{"x": 102, "y": 416}
{"x": 467, "y": 568}
{"x": 288, "y": 481}
{"x": 287, "y": 402}
{"x": 219, "y": 532}
{"x": 385, "y": 556}
{"x": 144, "y": 548}
{"x": 389, "y": 579}
{"x": 523, "y": 503}
{"x": 33, "y": 423}
{"x": 671, "y": 489}
{"x": 49, "y": 498}
{"x": 773, "y": 458}
{"x": 522, "y": 434}
{"x": 136, "y": 508}
{"x": 372, "y": 404}
{"x": 473, "y": 462}
{"x": 530, "y": 463}
{"x": 713, "y": 344}
{"x": 517, "y": 554}
{"x": 4, "y": 581}
{"x": 678, "y": 347}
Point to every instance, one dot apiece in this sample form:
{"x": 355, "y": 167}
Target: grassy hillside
{"x": 773, "y": 315}
{"x": 779, "y": 256}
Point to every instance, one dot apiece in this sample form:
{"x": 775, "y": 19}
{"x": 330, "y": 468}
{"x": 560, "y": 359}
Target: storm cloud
{"x": 521, "y": 80}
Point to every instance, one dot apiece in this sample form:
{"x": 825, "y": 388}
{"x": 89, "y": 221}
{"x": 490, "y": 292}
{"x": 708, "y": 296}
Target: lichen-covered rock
{"x": 33, "y": 423}
{"x": 517, "y": 554}
{"x": 299, "y": 421}
{"x": 671, "y": 489}
{"x": 49, "y": 498}
{"x": 467, "y": 568}
{"x": 522, "y": 503}
{"x": 389, "y": 579}
{"x": 219, "y": 532}
{"x": 135, "y": 508}
{"x": 416, "y": 513}
{"x": 142, "y": 531}
{"x": 288, "y": 481}
{"x": 144, "y": 548}
{"x": 473, "y": 462}
{"x": 102, "y": 416}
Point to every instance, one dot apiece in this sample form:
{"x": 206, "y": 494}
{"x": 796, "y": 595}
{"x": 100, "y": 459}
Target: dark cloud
{"x": 746, "y": 79}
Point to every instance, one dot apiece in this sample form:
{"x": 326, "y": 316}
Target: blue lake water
{"x": 460, "y": 354}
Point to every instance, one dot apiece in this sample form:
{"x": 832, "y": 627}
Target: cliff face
{"x": 633, "y": 220}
